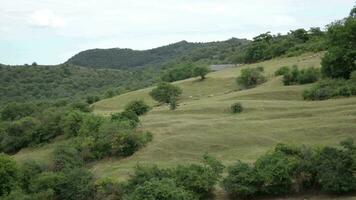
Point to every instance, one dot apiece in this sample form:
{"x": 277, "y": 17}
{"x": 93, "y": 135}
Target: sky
{"x": 51, "y": 31}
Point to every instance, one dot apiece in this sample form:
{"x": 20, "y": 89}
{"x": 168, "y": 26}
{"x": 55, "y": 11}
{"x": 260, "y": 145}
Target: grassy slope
{"x": 273, "y": 113}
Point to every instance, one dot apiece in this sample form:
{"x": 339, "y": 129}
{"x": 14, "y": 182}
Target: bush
{"x": 108, "y": 189}
{"x": 164, "y": 189}
{"x": 282, "y": 71}
{"x": 19, "y": 134}
{"x": 28, "y": 171}
{"x": 251, "y": 77}
{"x": 304, "y": 76}
{"x": 335, "y": 171}
{"x": 66, "y": 158}
{"x": 276, "y": 170}
{"x": 126, "y": 116}
{"x": 242, "y": 181}
{"x": 139, "y": 107}
{"x": 15, "y": 111}
{"x": 9, "y": 174}
{"x": 329, "y": 88}
{"x": 92, "y": 99}
{"x": 236, "y": 108}
{"x": 72, "y": 122}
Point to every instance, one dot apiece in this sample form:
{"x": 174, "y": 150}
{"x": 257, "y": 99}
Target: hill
{"x": 127, "y": 58}
{"x": 274, "y": 113}
{"x": 44, "y": 83}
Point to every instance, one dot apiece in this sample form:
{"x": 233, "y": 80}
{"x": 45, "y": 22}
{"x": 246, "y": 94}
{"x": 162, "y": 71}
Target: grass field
{"x": 202, "y": 124}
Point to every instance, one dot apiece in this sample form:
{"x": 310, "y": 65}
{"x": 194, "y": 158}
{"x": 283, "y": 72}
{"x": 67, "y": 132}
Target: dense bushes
{"x": 329, "y": 88}
{"x": 191, "y": 182}
{"x": 8, "y": 173}
{"x": 139, "y": 107}
{"x": 251, "y": 77}
{"x": 295, "y": 76}
{"x": 289, "y": 169}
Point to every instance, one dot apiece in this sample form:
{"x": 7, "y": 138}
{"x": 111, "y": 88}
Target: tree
{"x": 339, "y": 61}
{"x": 8, "y": 174}
{"x": 201, "y": 71}
{"x": 166, "y": 93}
{"x": 14, "y": 111}
{"x": 66, "y": 158}
{"x": 139, "y": 107}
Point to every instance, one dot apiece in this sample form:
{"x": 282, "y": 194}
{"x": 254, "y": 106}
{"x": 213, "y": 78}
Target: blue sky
{"x": 51, "y": 31}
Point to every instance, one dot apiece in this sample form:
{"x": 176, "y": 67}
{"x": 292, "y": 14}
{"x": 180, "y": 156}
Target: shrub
{"x": 282, "y": 71}
{"x": 15, "y": 111}
{"x": 242, "y": 181}
{"x": 92, "y": 99}
{"x": 108, "y": 189}
{"x": 251, "y": 77}
{"x": 126, "y": 144}
{"x": 65, "y": 158}
{"x": 164, "y": 189}
{"x": 236, "y": 108}
{"x": 81, "y": 106}
{"x": 19, "y": 134}
{"x": 304, "y": 76}
{"x": 126, "y": 116}
{"x": 72, "y": 122}
{"x": 139, "y": 107}
{"x": 9, "y": 174}
{"x": 334, "y": 171}
{"x": 276, "y": 171}
{"x": 329, "y": 88}
{"x": 28, "y": 171}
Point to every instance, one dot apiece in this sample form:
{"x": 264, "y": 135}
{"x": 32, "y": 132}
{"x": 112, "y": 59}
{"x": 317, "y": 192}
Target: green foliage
{"x": 242, "y": 181}
{"x": 166, "y": 93}
{"x": 139, "y": 107}
{"x": 29, "y": 169}
{"x": 66, "y": 157}
{"x": 329, "y": 88}
{"x": 9, "y": 174}
{"x": 92, "y": 99}
{"x": 72, "y": 122}
{"x": 178, "y": 71}
{"x": 164, "y": 189}
{"x": 282, "y": 71}
{"x": 339, "y": 61}
{"x": 304, "y": 76}
{"x": 128, "y": 116}
{"x": 236, "y": 108}
{"x": 19, "y": 134}
{"x": 195, "y": 179}
{"x": 15, "y": 111}
{"x": 108, "y": 189}
{"x": 335, "y": 170}
{"x": 201, "y": 71}
{"x": 251, "y": 77}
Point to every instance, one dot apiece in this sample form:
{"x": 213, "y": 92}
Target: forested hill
{"x": 127, "y": 58}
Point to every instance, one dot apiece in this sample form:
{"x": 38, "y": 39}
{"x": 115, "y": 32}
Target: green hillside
{"x": 127, "y": 58}
{"x": 274, "y": 113}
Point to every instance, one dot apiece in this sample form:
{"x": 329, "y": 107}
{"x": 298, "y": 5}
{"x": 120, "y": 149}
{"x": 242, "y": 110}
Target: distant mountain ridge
{"x": 118, "y": 58}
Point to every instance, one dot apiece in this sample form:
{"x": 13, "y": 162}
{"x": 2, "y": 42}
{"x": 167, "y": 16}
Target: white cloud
{"x": 46, "y": 18}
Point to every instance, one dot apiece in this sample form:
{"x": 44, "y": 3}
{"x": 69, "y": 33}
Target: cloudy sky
{"x": 51, "y": 31}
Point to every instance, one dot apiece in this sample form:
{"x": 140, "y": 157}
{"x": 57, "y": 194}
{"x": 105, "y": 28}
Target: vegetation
{"x": 290, "y": 169}
{"x": 295, "y": 76}
{"x": 138, "y": 107}
{"x": 251, "y": 77}
{"x": 166, "y": 93}
{"x": 236, "y": 108}
{"x": 330, "y": 88}
{"x": 201, "y": 71}
{"x": 339, "y": 61}
{"x": 50, "y": 83}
